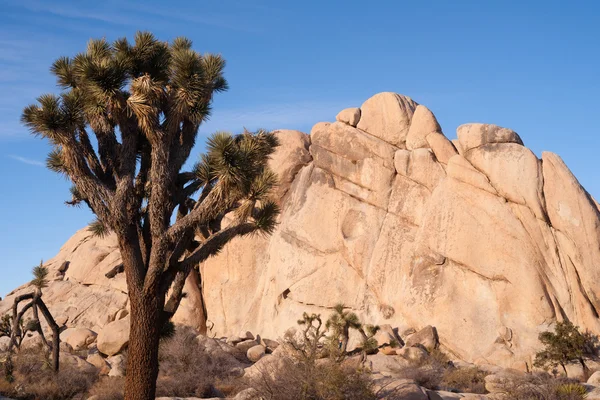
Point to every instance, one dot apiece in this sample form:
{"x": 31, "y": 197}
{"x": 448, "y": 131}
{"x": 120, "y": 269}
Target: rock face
{"x": 380, "y": 211}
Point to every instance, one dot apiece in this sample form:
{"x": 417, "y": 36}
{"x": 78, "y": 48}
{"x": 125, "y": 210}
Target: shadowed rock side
{"x": 383, "y": 213}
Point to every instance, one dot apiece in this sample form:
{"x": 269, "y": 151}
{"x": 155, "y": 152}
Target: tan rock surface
{"x": 349, "y": 116}
{"x": 471, "y": 136}
{"x": 387, "y": 116}
{"x": 114, "y": 337}
{"x": 422, "y": 124}
{"x": 488, "y": 246}
{"x": 441, "y": 146}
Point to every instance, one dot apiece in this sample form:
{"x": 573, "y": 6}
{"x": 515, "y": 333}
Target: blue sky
{"x": 531, "y": 65}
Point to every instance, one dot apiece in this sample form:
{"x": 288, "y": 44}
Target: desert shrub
{"x": 564, "y": 346}
{"x": 34, "y": 379}
{"x": 542, "y": 386}
{"x": 427, "y": 373}
{"x": 108, "y": 388}
{"x": 436, "y": 372}
{"x": 424, "y": 375}
{"x": 296, "y": 379}
{"x": 467, "y": 380}
{"x": 187, "y": 369}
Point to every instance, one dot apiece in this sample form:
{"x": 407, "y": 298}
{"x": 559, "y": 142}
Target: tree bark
{"x": 142, "y": 362}
{"x": 55, "y": 332}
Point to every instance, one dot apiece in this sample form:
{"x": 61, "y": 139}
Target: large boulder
{"x": 426, "y": 337}
{"x": 349, "y": 116}
{"x": 401, "y": 234}
{"x": 423, "y": 123}
{"x": 78, "y": 338}
{"x": 387, "y": 116}
{"x": 114, "y": 337}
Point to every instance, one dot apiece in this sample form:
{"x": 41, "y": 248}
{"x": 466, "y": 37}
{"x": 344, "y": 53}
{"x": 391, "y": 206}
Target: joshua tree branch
{"x": 55, "y": 332}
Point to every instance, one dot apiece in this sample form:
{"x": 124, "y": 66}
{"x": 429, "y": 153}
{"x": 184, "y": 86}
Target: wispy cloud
{"x": 26, "y": 160}
{"x": 137, "y": 14}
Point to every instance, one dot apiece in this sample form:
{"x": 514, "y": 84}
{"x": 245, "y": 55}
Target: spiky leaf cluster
{"x": 40, "y": 276}
{"x": 341, "y": 320}
{"x": 122, "y": 129}
{"x": 5, "y": 325}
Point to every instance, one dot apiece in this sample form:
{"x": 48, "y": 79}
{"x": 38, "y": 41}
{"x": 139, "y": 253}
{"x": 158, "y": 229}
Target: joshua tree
{"x": 340, "y": 323}
{"x": 122, "y": 129}
{"x": 19, "y": 328}
{"x": 309, "y": 347}
{"x": 564, "y": 346}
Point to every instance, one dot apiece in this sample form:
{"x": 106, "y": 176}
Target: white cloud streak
{"x": 26, "y": 160}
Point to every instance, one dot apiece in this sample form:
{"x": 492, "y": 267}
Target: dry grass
{"x": 108, "y": 388}
{"x": 187, "y": 369}
{"x": 293, "y": 379}
{"x": 436, "y": 373}
{"x": 541, "y": 386}
{"x": 33, "y": 379}
{"x": 466, "y": 380}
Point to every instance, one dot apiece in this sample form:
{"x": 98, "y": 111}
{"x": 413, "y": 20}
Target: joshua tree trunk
{"x": 142, "y": 362}
{"x": 55, "y": 332}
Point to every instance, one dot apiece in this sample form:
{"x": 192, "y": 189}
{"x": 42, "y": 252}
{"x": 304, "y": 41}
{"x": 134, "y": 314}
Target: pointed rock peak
{"x": 349, "y": 116}
{"x": 423, "y": 123}
{"x": 387, "y": 116}
{"x": 475, "y": 135}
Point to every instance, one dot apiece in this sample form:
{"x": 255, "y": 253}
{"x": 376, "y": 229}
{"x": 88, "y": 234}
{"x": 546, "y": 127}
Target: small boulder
{"x": 233, "y": 340}
{"x": 246, "y": 345}
{"x": 405, "y": 389}
{"x": 349, "y": 116}
{"x": 255, "y": 353}
{"x": 594, "y": 379}
{"x": 99, "y": 362}
{"x": 423, "y": 123}
{"x": 66, "y": 347}
{"x": 270, "y": 344}
{"x": 117, "y": 365}
{"x": 61, "y": 320}
{"x": 78, "y": 338}
{"x": 114, "y": 337}
{"x": 427, "y": 337}
{"x": 77, "y": 362}
{"x": 32, "y": 341}
{"x": 246, "y": 335}
{"x": 388, "y": 350}
{"x": 416, "y": 354}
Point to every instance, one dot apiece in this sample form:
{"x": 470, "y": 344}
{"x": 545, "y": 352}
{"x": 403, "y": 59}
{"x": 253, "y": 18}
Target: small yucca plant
{"x": 40, "y": 276}
{"x": 572, "y": 391}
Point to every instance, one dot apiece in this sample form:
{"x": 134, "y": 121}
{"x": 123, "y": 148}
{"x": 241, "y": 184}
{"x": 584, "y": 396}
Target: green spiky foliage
{"x": 369, "y": 344}
{"x": 121, "y": 131}
{"x": 5, "y": 325}
{"x": 40, "y": 276}
{"x": 168, "y": 330}
{"x": 564, "y": 346}
{"x": 572, "y": 391}
{"x": 98, "y": 229}
{"x": 309, "y": 345}
{"x": 339, "y": 324}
